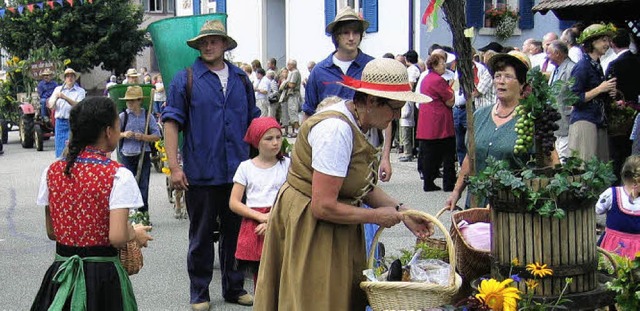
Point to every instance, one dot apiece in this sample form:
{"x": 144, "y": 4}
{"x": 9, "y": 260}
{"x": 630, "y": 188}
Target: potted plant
{"x": 541, "y": 213}
{"x": 503, "y": 19}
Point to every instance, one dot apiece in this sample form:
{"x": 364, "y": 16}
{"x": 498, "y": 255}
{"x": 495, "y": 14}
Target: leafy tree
{"x": 103, "y": 33}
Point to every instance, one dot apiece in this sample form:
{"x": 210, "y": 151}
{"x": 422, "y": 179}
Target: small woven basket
{"x": 131, "y": 257}
{"x": 437, "y": 243}
{"x": 472, "y": 263}
{"x": 412, "y": 295}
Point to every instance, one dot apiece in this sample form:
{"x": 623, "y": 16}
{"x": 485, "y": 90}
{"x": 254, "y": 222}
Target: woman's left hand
{"x": 420, "y": 227}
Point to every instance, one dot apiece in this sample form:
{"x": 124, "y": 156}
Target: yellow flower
{"x": 531, "y": 284}
{"x": 166, "y": 171}
{"x": 539, "y": 270}
{"x": 16, "y": 59}
{"x": 515, "y": 262}
{"x": 164, "y": 159}
{"x": 157, "y": 144}
{"x": 498, "y": 295}
{"x": 66, "y": 62}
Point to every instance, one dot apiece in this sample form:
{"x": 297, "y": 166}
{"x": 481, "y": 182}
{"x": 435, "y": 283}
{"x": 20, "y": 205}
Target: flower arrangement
{"x": 504, "y": 19}
{"x": 505, "y": 296}
{"x": 162, "y": 152}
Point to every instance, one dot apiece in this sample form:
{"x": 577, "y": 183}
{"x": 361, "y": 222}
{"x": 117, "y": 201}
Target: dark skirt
{"x": 102, "y": 282}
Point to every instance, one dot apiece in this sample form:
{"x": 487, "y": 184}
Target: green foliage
{"x": 92, "y": 34}
{"x": 140, "y": 218}
{"x": 627, "y": 282}
{"x": 498, "y": 176}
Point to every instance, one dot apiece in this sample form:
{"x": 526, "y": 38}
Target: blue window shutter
{"x": 475, "y": 13}
{"x": 370, "y": 12}
{"x": 565, "y": 24}
{"x": 526, "y": 14}
{"x": 329, "y": 11}
{"x": 221, "y": 6}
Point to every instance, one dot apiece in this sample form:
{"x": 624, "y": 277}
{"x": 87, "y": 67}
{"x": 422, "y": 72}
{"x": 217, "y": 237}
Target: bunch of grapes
{"x": 536, "y": 127}
{"x": 525, "y": 129}
{"x": 545, "y": 126}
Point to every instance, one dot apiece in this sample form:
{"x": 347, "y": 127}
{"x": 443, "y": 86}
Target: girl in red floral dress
{"x": 87, "y": 198}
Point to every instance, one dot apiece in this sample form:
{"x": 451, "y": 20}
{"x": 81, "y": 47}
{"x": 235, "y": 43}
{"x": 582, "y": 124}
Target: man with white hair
{"x": 547, "y": 66}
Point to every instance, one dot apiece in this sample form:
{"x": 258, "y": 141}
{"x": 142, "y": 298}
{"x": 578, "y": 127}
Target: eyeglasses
{"x": 503, "y": 77}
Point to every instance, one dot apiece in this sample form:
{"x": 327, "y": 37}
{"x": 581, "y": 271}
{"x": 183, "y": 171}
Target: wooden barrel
{"x": 568, "y": 245}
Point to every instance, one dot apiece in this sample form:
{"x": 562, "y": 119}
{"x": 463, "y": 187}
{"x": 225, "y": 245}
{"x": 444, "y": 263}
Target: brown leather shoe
{"x": 245, "y": 300}
{"x": 202, "y": 306}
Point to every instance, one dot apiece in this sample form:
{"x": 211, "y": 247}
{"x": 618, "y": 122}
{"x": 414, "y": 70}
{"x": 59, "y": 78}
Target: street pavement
{"x": 163, "y": 284}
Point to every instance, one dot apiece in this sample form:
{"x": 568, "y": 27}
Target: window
{"x": 493, "y": 5}
{"x": 171, "y": 6}
{"x": 153, "y": 6}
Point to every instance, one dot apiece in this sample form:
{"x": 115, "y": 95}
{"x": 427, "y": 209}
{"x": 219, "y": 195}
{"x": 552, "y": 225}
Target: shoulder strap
{"x": 189, "y": 84}
{"x": 123, "y": 126}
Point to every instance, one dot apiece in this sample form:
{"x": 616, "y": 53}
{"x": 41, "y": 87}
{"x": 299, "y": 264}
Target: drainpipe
{"x": 411, "y": 22}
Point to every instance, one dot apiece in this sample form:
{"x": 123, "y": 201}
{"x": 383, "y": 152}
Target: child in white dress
{"x": 259, "y": 179}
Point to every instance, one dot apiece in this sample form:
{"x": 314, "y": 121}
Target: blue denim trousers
{"x": 62, "y": 135}
{"x": 460, "y": 126}
{"x": 131, "y": 163}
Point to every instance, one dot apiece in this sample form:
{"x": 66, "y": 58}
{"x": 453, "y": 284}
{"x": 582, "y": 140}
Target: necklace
{"x": 495, "y": 113}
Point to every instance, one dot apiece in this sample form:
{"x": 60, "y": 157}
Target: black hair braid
{"x": 88, "y": 120}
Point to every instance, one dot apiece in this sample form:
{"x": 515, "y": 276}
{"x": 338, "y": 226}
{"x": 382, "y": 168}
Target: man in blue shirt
{"x": 212, "y": 103}
{"x": 45, "y": 89}
{"x": 346, "y": 32}
{"x": 588, "y": 124}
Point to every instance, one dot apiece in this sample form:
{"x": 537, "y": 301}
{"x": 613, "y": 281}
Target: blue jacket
{"x": 588, "y": 75}
{"x": 213, "y": 125}
{"x": 322, "y": 81}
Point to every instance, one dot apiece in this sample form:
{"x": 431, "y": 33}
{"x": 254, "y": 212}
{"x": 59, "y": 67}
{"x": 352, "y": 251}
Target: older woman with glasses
{"x": 495, "y": 133}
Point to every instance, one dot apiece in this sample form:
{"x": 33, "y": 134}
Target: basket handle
{"x": 608, "y": 256}
{"x": 435, "y": 221}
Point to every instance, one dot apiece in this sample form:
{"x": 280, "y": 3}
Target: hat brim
{"x": 132, "y": 98}
{"x": 511, "y": 60}
{"x": 62, "y": 76}
{"x": 408, "y": 96}
{"x": 607, "y": 33}
{"x": 329, "y": 28}
{"x": 231, "y": 44}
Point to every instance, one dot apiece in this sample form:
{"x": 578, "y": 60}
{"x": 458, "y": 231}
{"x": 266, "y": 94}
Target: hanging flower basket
{"x": 505, "y": 27}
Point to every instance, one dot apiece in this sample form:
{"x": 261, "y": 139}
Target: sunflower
{"x": 515, "y": 262}
{"x": 531, "y": 284}
{"x": 498, "y": 295}
{"x": 539, "y": 270}
{"x": 166, "y": 171}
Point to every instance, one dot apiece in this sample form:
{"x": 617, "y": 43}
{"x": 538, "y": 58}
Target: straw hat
{"x": 519, "y": 60}
{"x": 346, "y": 14}
{"x": 69, "y": 71}
{"x": 46, "y": 72}
{"x": 213, "y": 28}
{"x": 132, "y": 72}
{"x": 387, "y": 78}
{"x": 132, "y": 93}
{"x": 597, "y": 30}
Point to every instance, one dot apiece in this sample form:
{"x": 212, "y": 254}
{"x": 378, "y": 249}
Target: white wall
{"x": 243, "y": 25}
{"x": 393, "y": 30}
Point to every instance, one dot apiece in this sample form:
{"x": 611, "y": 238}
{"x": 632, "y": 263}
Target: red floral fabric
{"x": 249, "y": 243}
{"x": 79, "y": 204}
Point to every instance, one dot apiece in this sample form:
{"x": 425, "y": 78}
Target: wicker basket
{"x": 412, "y": 295}
{"x": 437, "y": 243}
{"x": 472, "y": 263}
{"x": 131, "y": 257}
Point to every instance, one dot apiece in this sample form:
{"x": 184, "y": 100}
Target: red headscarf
{"x": 258, "y": 127}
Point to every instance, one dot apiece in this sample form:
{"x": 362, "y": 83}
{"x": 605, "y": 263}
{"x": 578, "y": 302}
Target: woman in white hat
{"x": 314, "y": 251}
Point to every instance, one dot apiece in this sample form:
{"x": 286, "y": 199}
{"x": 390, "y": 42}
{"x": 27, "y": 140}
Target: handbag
{"x": 274, "y": 97}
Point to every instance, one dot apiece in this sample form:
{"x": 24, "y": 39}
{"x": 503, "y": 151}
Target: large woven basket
{"x": 412, "y": 295}
{"x": 131, "y": 257}
{"x": 437, "y": 243}
{"x": 472, "y": 263}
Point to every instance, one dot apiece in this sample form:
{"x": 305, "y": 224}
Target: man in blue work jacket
{"x": 212, "y": 103}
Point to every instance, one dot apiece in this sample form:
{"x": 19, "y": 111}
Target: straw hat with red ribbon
{"x": 386, "y": 78}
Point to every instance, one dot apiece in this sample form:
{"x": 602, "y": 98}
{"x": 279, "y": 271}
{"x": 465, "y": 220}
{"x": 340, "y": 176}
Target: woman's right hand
{"x": 452, "y": 200}
{"x": 387, "y": 216}
{"x": 142, "y": 234}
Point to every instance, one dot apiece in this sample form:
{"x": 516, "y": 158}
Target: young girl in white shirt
{"x": 259, "y": 178}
